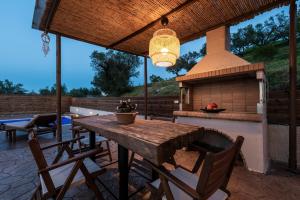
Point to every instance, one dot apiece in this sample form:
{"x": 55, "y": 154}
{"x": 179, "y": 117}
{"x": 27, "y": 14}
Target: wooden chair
{"x": 77, "y": 131}
{"x": 56, "y": 178}
{"x": 180, "y": 184}
{"x": 212, "y": 141}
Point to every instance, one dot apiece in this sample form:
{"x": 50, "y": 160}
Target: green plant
{"x": 267, "y": 52}
{"x": 126, "y": 107}
{"x": 113, "y": 71}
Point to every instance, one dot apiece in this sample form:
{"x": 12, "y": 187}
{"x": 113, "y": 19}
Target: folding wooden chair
{"x": 55, "y": 179}
{"x": 180, "y": 184}
{"x": 77, "y": 131}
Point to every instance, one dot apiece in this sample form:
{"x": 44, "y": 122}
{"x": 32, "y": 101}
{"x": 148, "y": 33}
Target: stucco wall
{"x": 278, "y": 137}
{"x": 254, "y": 148}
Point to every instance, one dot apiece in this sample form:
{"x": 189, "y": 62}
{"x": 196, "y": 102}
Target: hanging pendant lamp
{"x": 164, "y": 47}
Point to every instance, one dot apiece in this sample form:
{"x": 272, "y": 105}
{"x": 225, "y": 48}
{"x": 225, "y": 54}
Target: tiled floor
{"x": 18, "y": 176}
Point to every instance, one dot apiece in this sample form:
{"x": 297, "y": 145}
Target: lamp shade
{"x": 164, "y": 48}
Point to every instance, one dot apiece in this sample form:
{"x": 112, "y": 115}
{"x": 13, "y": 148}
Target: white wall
{"x": 278, "y": 136}
{"x": 254, "y": 149}
{"x": 87, "y": 111}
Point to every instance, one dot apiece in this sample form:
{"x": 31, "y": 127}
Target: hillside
{"x": 276, "y": 65}
{"x": 275, "y": 57}
{"x": 162, "y": 88}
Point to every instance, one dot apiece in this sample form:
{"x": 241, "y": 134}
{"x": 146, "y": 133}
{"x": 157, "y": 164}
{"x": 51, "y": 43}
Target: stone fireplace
{"x": 235, "y": 85}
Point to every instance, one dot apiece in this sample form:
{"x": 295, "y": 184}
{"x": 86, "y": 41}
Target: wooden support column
{"x": 145, "y": 87}
{"x": 292, "y": 87}
{"x": 58, "y": 88}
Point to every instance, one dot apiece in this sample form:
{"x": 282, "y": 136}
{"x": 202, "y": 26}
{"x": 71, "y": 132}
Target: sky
{"x": 22, "y": 60}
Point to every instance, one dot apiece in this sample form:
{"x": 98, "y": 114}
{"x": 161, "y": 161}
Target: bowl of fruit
{"x": 212, "y": 108}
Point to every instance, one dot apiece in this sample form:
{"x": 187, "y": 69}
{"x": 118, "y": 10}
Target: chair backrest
{"x": 41, "y": 163}
{"x": 43, "y": 120}
{"x": 214, "y": 141}
{"x": 217, "y": 169}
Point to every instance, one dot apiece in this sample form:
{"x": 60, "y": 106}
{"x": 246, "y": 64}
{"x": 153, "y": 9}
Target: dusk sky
{"x": 22, "y": 60}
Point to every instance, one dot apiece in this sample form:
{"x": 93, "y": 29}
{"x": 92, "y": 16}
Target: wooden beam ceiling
{"x": 151, "y": 24}
{"x": 128, "y": 26}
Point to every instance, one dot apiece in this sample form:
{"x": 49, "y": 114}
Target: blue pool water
{"x": 64, "y": 120}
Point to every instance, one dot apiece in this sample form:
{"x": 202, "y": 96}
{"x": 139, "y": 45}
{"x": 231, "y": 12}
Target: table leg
{"x": 9, "y": 136}
{"x": 14, "y": 135}
{"x": 123, "y": 170}
{"x": 154, "y": 175}
{"x": 92, "y": 141}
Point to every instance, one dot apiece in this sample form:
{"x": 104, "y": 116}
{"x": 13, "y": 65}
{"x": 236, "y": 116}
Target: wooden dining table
{"x": 154, "y": 140}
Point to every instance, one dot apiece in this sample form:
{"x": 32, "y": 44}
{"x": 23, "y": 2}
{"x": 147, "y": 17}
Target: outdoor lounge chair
{"x": 180, "y": 184}
{"x": 55, "y": 179}
{"x": 39, "y": 124}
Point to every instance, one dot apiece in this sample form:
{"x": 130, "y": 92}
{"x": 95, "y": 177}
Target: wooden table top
{"x": 155, "y": 140}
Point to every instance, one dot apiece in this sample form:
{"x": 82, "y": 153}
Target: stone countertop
{"x": 235, "y": 116}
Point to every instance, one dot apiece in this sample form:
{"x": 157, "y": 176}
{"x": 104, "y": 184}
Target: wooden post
{"x": 293, "y": 85}
{"x": 58, "y": 88}
{"x": 145, "y": 88}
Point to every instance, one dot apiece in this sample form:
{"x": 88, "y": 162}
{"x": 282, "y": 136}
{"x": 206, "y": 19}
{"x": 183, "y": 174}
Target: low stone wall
{"x": 163, "y": 106}
{"x": 22, "y": 104}
{"x": 278, "y": 107}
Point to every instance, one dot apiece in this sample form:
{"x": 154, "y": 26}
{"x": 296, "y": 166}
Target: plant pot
{"x": 126, "y": 118}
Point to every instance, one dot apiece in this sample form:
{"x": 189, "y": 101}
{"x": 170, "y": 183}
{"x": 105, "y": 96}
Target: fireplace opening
{"x": 216, "y": 141}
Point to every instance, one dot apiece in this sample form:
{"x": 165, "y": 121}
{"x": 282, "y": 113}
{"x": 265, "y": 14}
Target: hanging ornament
{"x": 46, "y": 40}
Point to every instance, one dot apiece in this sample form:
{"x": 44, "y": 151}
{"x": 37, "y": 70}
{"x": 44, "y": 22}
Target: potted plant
{"x": 126, "y": 112}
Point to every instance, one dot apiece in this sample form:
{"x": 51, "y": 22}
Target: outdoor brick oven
{"x": 235, "y": 85}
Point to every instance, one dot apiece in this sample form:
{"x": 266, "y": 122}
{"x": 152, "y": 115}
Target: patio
{"x": 238, "y": 86}
{"x": 19, "y": 176}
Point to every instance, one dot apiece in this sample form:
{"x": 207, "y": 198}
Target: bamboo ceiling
{"x": 129, "y": 25}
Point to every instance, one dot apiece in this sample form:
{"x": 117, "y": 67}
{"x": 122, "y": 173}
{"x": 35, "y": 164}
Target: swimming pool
{"x": 65, "y": 120}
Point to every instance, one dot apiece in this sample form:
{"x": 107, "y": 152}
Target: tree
{"x": 186, "y": 62}
{"x": 275, "y": 28}
{"x": 203, "y": 50}
{"x": 113, "y": 71}
{"x": 154, "y": 78}
{"x": 8, "y": 87}
{"x": 45, "y": 91}
{"x": 79, "y": 92}
{"x": 52, "y": 91}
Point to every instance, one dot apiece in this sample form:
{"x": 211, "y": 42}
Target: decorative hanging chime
{"x": 164, "y": 47}
{"x": 46, "y": 40}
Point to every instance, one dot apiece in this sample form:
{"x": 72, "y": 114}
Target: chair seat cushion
{"x": 59, "y": 175}
{"x": 191, "y": 180}
{"x": 86, "y": 140}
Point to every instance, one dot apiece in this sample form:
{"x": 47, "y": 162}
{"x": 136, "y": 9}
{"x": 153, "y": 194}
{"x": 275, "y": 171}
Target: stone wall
{"x": 241, "y": 95}
{"x": 22, "y": 104}
{"x": 163, "y": 106}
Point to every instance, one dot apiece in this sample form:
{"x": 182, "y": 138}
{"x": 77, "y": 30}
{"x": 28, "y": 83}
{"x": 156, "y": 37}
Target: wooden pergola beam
{"x": 93, "y": 43}
{"x": 58, "y": 89}
{"x": 151, "y": 24}
{"x": 293, "y": 88}
{"x": 52, "y": 12}
{"x": 145, "y": 88}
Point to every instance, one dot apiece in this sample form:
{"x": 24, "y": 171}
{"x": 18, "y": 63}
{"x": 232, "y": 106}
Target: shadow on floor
{"x": 18, "y": 175}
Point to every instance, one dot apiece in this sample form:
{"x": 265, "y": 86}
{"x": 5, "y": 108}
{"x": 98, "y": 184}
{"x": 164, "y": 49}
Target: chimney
{"x": 218, "y": 40}
{"x": 218, "y": 54}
